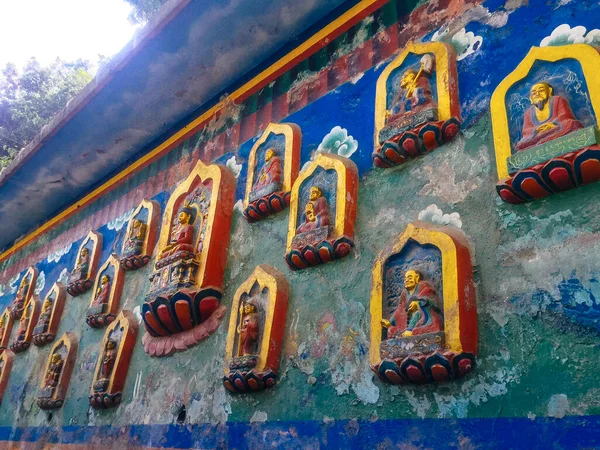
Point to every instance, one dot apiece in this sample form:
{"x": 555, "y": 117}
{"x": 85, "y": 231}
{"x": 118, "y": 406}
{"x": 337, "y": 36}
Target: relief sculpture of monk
{"x": 103, "y": 292}
{"x": 549, "y": 117}
{"x": 418, "y": 310}
{"x": 249, "y": 329}
{"x": 316, "y": 212}
{"x": 270, "y": 172}
{"x": 53, "y": 372}
{"x": 182, "y": 234}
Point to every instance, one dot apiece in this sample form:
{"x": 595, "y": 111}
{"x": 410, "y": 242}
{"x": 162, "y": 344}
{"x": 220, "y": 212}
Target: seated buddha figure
{"x": 103, "y": 292}
{"x": 182, "y": 234}
{"x": 23, "y": 325}
{"x": 44, "y": 320}
{"x": 270, "y": 172}
{"x": 109, "y": 359}
{"x": 249, "y": 329}
{"x": 413, "y": 92}
{"x": 19, "y": 300}
{"x": 417, "y": 311}
{"x": 81, "y": 268}
{"x": 53, "y": 372}
{"x": 135, "y": 238}
{"x": 548, "y": 117}
{"x": 316, "y": 212}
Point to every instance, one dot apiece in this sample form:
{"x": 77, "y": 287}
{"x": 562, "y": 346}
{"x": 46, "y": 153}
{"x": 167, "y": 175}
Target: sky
{"x": 69, "y": 29}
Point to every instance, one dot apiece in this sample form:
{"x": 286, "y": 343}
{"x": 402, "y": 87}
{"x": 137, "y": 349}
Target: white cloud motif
{"x": 40, "y": 283}
{"x": 234, "y": 166}
{"x": 338, "y": 141}
{"x": 13, "y": 284}
{"x": 435, "y": 215}
{"x": 55, "y": 256}
{"x": 118, "y": 222}
{"x": 565, "y": 35}
{"x": 464, "y": 42}
{"x": 63, "y": 277}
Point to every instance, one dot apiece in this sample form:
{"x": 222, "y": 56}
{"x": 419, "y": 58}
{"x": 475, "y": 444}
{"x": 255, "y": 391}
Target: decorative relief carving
{"x": 423, "y": 307}
{"x": 80, "y": 278}
{"x": 6, "y": 326}
{"x": 546, "y": 133}
{"x": 256, "y": 329}
{"x": 57, "y": 373}
{"x": 182, "y": 306}
{"x": 272, "y": 169}
{"x": 322, "y": 212}
{"x": 27, "y": 323}
{"x": 52, "y": 309}
{"x": 24, "y": 292}
{"x": 113, "y": 361}
{"x": 138, "y": 244}
{"x": 416, "y": 104}
{"x": 107, "y": 294}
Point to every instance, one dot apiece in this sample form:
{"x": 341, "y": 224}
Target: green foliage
{"x": 31, "y": 97}
{"x": 143, "y": 10}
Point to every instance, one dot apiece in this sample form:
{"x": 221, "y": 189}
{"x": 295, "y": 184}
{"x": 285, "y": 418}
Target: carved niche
{"x": 107, "y": 294}
{"x": 27, "y": 323}
{"x": 6, "y": 363}
{"x": 256, "y": 328}
{"x": 6, "y": 326}
{"x": 322, "y": 212}
{"x": 24, "y": 292}
{"x": 57, "y": 372}
{"x": 138, "y": 244}
{"x": 82, "y": 276}
{"x": 273, "y": 166}
{"x": 182, "y": 306}
{"x": 52, "y": 309}
{"x": 113, "y": 361}
{"x": 545, "y": 123}
{"x": 416, "y": 103}
{"x": 423, "y": 307}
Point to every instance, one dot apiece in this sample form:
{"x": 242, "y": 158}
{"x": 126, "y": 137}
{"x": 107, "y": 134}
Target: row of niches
{"x": 423, "y": 305}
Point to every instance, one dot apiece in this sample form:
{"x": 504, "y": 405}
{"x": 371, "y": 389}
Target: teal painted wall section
{"x": 536, "y": 272}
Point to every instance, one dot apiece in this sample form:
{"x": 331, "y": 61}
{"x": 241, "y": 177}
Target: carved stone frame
{"x": 69, "y": 340}
{"x": 137, "y": 261}
{"x": 79, "y": 287}
{"x": 114, "y": 300}
{"x": 5, "y": 337}
{"x": 21, "y": 346}
{"x": 57, "y": 310}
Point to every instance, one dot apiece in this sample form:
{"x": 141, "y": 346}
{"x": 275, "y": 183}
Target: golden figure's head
{"x": 315, "y": 193}
{"x": 249, "y": 308}
{"x": 186, "y": 214}
{"x": 136, "y": 223}
{"x": 310, "y": 212}
{"x": 24, "y": 282}
{"x": 84, "y": 252}
{"x": 408, "y": 78}
{"x": 111, "y": 344}
{"x": 411, "y": 279}
{"x": 47, "y": 304}
{"x": 2, "y": 321}
{"x": 56, "y": 358}
{"x": 540, "y": 93}
{"x": 104, "y": 280}
{"x": 269, "y": 154}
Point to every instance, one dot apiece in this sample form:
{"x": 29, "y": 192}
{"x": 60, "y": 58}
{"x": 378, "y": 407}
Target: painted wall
{"x": 536, "y": 271}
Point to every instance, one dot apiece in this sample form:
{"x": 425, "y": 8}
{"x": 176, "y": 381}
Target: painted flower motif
{"x": 338, "y": 141}
{"x": 234, "y": 166}
{"x": 40, "y": 283}
{"x": 55, "y": 256}
{"x": 118, "y": 222}
{"x": 435, "y": 215}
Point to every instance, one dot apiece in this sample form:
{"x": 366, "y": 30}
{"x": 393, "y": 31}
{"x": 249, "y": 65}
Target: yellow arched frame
{"x": 449, "y": 284}
{"x": 287, "y": 129}
{"x": 586, "y": 55}
{"x": 443, "y": 59}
